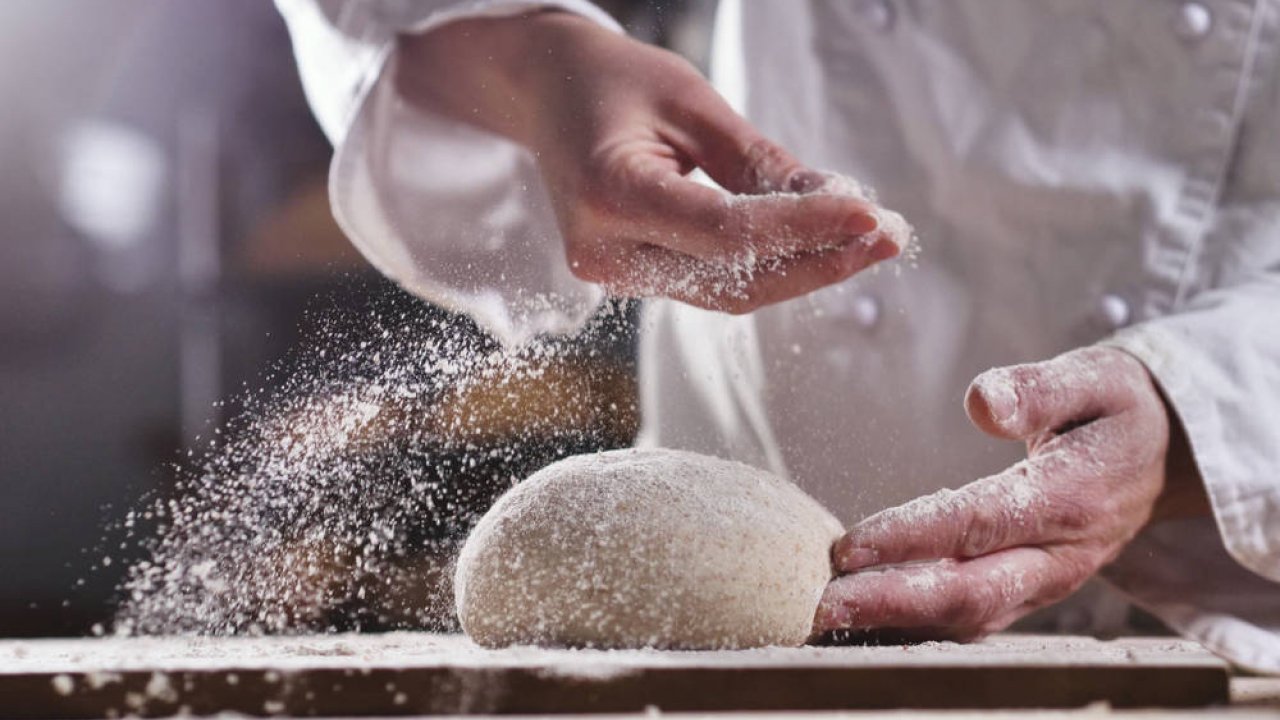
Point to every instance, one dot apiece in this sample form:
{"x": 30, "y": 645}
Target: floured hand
{"x": 616, "y": 126}
{"x": 1099, "y": 467}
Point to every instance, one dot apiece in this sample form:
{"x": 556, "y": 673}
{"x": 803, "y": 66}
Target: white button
{"x": 878, "y": 13}
{"x": 1194, "y": 21}
{"x": 865, "y": 310}
{"x": 1115, "y": 310}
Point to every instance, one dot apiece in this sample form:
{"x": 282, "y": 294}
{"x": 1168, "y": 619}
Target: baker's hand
{"x": 616, "y": 125}
{"x": 1098, "y": 467}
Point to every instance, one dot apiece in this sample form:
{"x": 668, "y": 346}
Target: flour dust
{"x": 336, "y": 499}
{"x": 729, "y": 279}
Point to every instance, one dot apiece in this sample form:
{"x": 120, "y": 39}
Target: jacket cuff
{"x": 453, "y": 214}
{"x": 1209, "y": 579}
{"x": 1200, "y": 392}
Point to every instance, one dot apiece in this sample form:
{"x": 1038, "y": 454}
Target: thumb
{"x": 734, "y": 154}
{"x": 1022, "y": 401}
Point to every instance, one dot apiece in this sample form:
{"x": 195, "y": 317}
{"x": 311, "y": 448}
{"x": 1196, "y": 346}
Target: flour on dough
{"x": 646, "y": 548}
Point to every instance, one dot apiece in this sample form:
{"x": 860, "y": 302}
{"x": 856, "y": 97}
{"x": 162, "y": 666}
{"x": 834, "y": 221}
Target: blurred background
{"x": 165, "y": 247}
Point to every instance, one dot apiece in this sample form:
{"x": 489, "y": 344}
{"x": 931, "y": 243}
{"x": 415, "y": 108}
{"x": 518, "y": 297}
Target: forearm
{"x": 482, "y": 70}
{"x": 1184, "y": 494}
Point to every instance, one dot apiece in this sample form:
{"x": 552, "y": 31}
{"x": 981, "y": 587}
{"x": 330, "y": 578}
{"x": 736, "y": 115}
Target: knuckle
{"x": 764, "y": 162}
{"x": 985, "y": 531}
{"x": 721, "y": 221}
{"x": 1064, "y": 579}
{"x": 1080, "y": 566}
{"x": 966, "y": 608}
{"x": 681, "y": 64}
{"x": 1098, "y": 356}
{"x": 1074, "y": 515}
{"x": 1025, "y": 376}
{"x": 834, "y": 268}
{"x": 1031, "y": 388}
{"x": 610, "y": 176}
{"x": 678, "y": 64}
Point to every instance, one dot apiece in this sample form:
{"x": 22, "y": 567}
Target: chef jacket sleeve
{"x": 1217, "y": 361}
{"x": 1218, "y": 364}
{"x": 454, "y": 214}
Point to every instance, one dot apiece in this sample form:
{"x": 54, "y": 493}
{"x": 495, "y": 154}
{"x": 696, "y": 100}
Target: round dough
{"x": 646, "y": 548}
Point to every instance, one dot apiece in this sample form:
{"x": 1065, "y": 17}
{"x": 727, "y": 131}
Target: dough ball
{"x": 646, "y": 548}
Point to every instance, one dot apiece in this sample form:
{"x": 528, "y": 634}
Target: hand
{"x": 616, "y": 126}
{"x": 1098, "y": 467}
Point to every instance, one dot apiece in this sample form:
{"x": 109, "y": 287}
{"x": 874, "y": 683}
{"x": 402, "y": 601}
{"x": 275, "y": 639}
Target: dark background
{"x": 165, "y": 242}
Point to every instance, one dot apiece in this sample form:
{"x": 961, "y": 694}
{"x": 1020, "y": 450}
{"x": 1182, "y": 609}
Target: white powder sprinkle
{"x": 329, "y": 494}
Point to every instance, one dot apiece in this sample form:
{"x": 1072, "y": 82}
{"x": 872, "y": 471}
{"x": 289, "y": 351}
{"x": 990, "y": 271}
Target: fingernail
{"x": 861, "y": 224}
{"x": 857, "y": 559}
{"x": 806, "y": 181}
{"x": 883, "y": 249}
{"x": 998, "y": 393}
{"x": 830, "y": 615}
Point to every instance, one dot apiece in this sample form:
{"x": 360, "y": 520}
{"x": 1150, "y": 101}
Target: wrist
{"x": 1183, "y": 495}
{"x": 468, "y": 70}
{"x": 486, "y": 71}
{"x": 1182, "y": 491}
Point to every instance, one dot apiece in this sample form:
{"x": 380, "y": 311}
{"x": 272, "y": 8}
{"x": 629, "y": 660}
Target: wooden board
{"x": 410, "y": 673}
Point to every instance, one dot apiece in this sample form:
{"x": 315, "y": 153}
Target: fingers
{"x": 731, "y": 151}
{"x": 638, "y": 226}
{"x": 1084, "y": 489}
{"x": 984, "y": 516}
{"x": 648, "y": 271}
{"x": 676, "y": 238}
{"x": 803, "y": 274}
{"x": 700, "y": 221}
{"x": 957, "y": 598}
{"x": 769, "y": 210}
{"x": 1023, "y": 401}
{"x": 1003, "y": 545}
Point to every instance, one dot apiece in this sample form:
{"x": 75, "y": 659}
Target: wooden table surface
{"x": 425, "y": 674}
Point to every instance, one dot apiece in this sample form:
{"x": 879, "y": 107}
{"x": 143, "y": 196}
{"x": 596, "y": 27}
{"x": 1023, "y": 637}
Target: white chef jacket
{"x": 1078, "y": 171}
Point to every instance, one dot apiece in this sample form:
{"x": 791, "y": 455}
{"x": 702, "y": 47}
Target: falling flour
{"x": 330, "y": 490}
{"x": 337, "y": 500}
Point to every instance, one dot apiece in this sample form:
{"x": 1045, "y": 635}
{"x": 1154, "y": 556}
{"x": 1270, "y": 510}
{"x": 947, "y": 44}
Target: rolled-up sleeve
{"x": 454, "y": 214}
{"x": 1220, "y": 367}
{"x": 1217, "y": 360}
{"x": 1218, "y": 364}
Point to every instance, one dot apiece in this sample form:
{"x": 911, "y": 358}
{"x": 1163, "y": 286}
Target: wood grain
{"x": 423, "y": 674}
